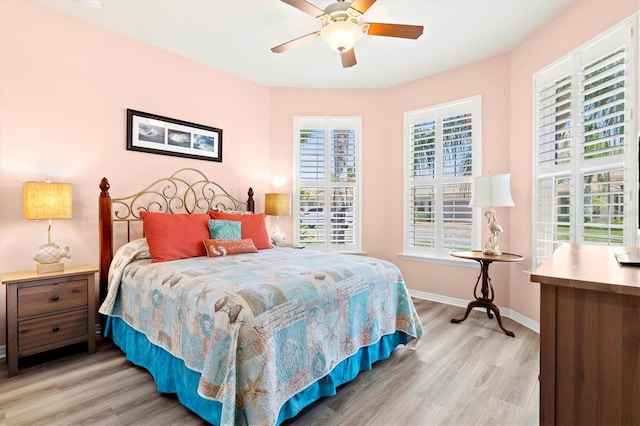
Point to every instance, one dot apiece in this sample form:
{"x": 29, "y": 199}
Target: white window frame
{"x": 328, "y": 123}
{"x": 440, "y": 253}
{"x": 570, "y": 67}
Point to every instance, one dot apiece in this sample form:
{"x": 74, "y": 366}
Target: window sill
{"x": 449, "y": 260}
{"x": 354, "y": 252}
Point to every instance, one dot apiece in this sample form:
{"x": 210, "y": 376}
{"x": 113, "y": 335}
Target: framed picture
{"x": 162, "y": 135}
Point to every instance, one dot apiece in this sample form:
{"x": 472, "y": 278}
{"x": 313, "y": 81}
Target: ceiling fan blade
{"x": 295, "y": 42}
{"x": 393, "y": 30}
{"x": 362, "y": 5}
{"x": 348, "y": 58}
{"x": 306, "y": 7}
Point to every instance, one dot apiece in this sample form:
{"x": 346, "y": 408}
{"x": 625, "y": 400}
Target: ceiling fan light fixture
{"x": 341, "y": 36}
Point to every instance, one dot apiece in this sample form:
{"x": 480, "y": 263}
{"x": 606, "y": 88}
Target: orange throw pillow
{"x": 253, "y": 226}
{"x": 175, "y": 236}
{"x": 217, "y": 248}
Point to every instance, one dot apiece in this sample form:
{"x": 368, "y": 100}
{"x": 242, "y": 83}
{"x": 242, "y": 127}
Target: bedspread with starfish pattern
{"x": 259, "y": 327}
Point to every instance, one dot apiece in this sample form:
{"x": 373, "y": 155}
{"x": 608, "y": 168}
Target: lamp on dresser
{"x": 277, "y": 204}
{"x": 492, "y": 191}
{"x": 47, "y": 201}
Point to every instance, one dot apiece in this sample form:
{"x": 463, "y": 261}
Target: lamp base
{"x": 278, "y": 238}
{"x": 491, "y": 248}
{"x": 491, "y": 251}
{"x": 44, "y": 268}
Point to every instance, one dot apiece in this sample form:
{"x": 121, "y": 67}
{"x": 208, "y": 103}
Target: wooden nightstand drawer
{"x": 44, "y": 299}
{"x": 52, "y": 329}
{"x": 49, "y": 310}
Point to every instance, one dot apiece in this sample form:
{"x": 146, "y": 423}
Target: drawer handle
{"x": 55, "y": 297}
{"x": 55, "y": 328}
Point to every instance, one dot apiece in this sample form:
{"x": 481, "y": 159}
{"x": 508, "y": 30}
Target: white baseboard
{"x": 3, "y": 352}
{"x": 527, "y": 322}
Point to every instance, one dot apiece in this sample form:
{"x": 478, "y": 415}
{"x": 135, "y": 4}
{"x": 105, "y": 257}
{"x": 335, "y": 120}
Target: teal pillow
{"x": 225, "y": 229}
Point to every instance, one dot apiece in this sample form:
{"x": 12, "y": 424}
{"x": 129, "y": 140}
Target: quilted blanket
{"x": 259, "y": 327}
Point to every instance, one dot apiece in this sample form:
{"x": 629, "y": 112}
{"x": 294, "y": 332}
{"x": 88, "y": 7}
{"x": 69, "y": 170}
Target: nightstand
{"x": 49, "y": 311}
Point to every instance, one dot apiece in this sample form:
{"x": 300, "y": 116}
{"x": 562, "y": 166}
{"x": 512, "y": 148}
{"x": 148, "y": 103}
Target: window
{"x": 443, "y": 152}
{"x": 327, "y": 184}
{"x": 585, "y": 170}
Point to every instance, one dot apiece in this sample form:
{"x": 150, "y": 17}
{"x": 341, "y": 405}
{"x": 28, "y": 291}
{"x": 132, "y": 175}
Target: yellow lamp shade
{"x": 46, "y": 200}
{"x": 277, "y": 204}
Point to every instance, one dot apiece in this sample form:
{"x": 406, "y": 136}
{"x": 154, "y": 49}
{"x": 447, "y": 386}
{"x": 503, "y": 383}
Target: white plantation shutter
{"x": 553, "y": 218}
{"x": 603, "y": 207}
{"x": 555, "y": 157}
{"x": 603, "y": 105}
{"x": 327, "y": 182}
{"x": 443, "y": 146}
{"x": 586, "y": 158}
{"x": 555, "y": 123}
{"x": 422, "y": 217}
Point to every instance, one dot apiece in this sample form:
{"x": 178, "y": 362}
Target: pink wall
{"x": 489, "y": 79}
{"x": 578, "y": 24}
{"x": 506, "y": 85}
{"x": 382, "y": 154}
{"x": 66, "y": 84}
{"x": 65, "y": 88}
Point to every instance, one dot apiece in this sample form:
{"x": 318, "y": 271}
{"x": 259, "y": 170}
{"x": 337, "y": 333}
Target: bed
{"x": 250, "y": 337}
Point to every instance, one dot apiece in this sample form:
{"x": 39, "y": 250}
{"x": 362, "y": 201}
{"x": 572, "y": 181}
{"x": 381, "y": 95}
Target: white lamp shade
{"x": 341, "y": 36}
{"x": 492, "y": 191}
{"x": 277, "y": 204}
{"x": 46, "y": 200}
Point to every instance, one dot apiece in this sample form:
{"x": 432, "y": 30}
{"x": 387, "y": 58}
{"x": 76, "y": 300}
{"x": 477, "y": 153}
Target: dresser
{"x": 589, "y": 337}
{"x": 49, "y": 311}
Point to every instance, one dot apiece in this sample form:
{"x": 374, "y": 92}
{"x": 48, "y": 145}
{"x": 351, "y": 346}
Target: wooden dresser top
{"x": 589, "y": 267}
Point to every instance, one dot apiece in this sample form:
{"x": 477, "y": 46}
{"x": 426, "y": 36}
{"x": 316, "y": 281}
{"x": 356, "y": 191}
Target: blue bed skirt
{"x": 172, "y": 376}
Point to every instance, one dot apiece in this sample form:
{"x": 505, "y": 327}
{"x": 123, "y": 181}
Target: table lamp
{"x": 277, "y": 204}
{"x": 47, "y": 201}
{"x": 492, "y": 191}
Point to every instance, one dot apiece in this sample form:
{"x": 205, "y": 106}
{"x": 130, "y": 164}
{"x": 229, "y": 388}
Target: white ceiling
{"x": 236, "y": 36}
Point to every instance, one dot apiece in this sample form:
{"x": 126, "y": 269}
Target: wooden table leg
{"x": 486, "y": 301}
{"x": 470, "y": 306}
{"x": 495, "y": 309}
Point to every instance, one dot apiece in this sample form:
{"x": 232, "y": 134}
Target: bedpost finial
{"x": 250, "y": 202}
{"x": 104, "y": 187}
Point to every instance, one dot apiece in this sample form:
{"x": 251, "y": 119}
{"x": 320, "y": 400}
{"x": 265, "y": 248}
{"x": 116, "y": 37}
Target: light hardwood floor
{"x": 460, "y": 374}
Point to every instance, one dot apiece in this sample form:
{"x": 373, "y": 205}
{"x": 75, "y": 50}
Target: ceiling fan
{"x": 341, "y": 28}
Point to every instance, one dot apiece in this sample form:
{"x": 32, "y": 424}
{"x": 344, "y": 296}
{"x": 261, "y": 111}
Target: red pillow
{"x": 253, "y": 226}
{"x": 175, "y": 236}
{"x": 217, "y": 248}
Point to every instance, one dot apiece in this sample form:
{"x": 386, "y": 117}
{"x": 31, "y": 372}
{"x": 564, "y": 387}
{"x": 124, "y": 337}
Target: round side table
{"x": 486, "y": 300}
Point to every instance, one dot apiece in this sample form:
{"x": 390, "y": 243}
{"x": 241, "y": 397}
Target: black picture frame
{"x": 156, "y": 134}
